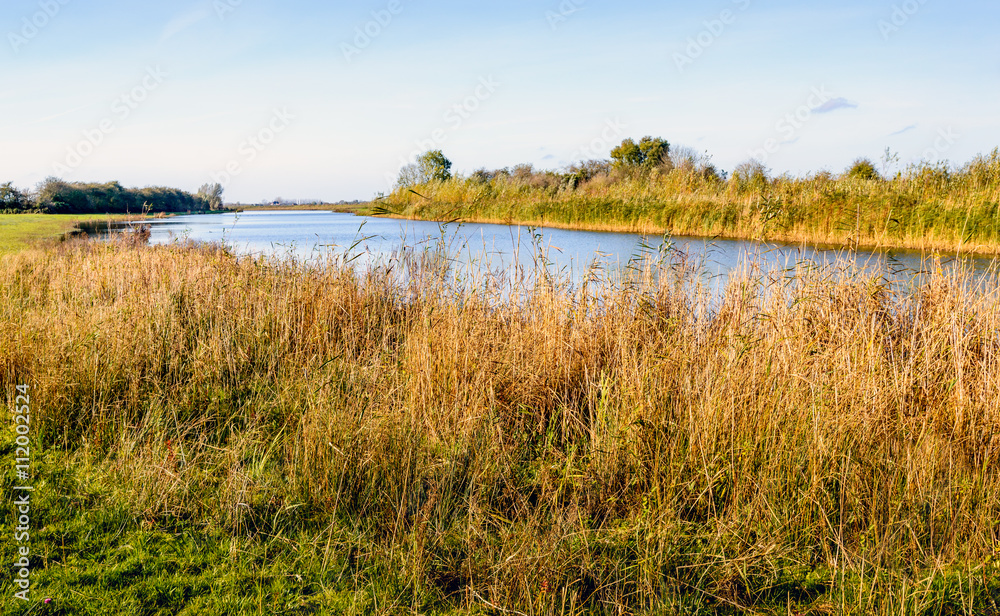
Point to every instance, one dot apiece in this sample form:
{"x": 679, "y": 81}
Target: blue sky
{"x": 287, "y": 99}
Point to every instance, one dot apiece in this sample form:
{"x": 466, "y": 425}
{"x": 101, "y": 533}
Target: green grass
{"x": 18, "y": 231}
{"x": 94, "y": 555}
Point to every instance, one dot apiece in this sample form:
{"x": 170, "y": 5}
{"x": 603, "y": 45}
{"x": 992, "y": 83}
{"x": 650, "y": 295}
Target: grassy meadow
{"x": 217, "y": 435}
{"x": 924, "y": 207}
{"x": 18, "y": 231}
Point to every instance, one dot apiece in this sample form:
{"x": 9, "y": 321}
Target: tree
{"x": 654, "y": 151}
{"x": 627, "y": 154}
{"x": 434, "y": 167}
{"x": 409, "y": 176}
{"x": 863, "y": 169}
{"x": 431, "y": 166}
{"x": 13, "y": 199}
{"x": 750, "y": 176}
{"x": 647, "y": 154}
{"x": 55, "y": 196}
{"x": 212, "y": 194}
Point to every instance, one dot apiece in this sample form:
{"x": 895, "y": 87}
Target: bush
{"x": 485, "y": 176}
{"x": 589, "y": 169}
{"x": 863, "y": 169}
{"x": 750, "y": 176}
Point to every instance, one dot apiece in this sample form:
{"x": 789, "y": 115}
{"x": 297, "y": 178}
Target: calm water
{"x": 308, "y": 235}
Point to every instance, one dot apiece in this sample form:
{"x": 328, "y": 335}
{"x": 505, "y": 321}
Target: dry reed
{"x": 817, "y": 441}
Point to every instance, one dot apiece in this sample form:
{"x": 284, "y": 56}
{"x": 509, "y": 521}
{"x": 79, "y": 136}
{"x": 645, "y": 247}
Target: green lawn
{"x": 20, "y": 230}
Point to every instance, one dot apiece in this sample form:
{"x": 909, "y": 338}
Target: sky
{"x": 302, "y": 99}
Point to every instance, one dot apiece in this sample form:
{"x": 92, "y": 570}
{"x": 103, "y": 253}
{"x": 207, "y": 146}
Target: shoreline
{"x": 924, "y": 248}
{"x": 84, "y": 223}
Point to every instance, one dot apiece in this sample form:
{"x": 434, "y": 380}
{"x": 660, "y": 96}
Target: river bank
{"x": 924, "y": 207}
{"x": 713, "y": 219}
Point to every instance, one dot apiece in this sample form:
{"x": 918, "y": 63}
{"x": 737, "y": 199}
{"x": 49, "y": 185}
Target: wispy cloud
{"x": 903, "y": 130}
{"x": 835, "y": 104}
{"x": 183, "y": 22}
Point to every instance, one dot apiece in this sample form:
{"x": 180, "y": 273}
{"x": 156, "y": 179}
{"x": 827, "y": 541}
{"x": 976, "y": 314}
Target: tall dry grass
{"x": 813, "y": 443}
{"x": 925, "y": 207}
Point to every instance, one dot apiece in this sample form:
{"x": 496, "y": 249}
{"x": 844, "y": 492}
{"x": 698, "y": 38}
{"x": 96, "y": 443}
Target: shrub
{"x": 863, "y": 169}
{"x": 750, "y": 176}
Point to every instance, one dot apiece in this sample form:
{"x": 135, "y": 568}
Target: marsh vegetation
{"x": 649, "y": 188}
{"x": 256, "y": 436}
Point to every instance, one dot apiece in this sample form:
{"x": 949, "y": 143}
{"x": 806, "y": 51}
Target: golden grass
{"x": 924, "y": 208}
{"x": 817, "y": 443}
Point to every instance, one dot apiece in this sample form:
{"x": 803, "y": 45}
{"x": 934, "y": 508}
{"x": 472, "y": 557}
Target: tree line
{"x": 56, "y": 196}
{"x": 630, "y": 158}
{"x": 653, "y": 161}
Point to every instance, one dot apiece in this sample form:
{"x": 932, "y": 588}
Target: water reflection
{"x": 568, "y": 255}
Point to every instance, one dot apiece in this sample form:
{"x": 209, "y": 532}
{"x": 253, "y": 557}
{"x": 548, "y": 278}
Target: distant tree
{"x": 58, "y": 197}
{"x": 654, "y": 151}
{"x": 13, "y": 199}
{"x": 484, "y": 175}
{"x": 688, "y": 159}
{"x": 750, "y": 175}
{"x": 409, "y": 176}
{"x": 523, "y": 171}
{"x": 863, "y": 169}
{"x": 212, "y": 194}
{"x": 431, "y": 166}
{"x": 627, "y": 154}
{"x": 55, "y": 196}
{"x": 434, "y": 166}
{"x": 648, "y": 153}
{"x": 588, "y": 169}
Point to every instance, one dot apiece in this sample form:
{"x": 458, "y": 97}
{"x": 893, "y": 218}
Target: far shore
{"x": 926, "y": 246}
{"x": 20, "y": 230}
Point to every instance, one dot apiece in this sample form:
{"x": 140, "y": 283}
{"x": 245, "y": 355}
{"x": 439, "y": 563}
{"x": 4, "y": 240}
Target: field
{"x": 215, "y": 435}
{"x": 18, "y": 231}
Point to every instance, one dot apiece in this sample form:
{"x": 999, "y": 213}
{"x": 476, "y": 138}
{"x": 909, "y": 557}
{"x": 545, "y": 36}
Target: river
{"x": 307, "y": 235}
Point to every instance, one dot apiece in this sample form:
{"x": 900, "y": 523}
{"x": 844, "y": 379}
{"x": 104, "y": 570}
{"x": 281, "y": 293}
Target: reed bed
{"x": 814, "y": 442}
{"x": 925, "y": 207}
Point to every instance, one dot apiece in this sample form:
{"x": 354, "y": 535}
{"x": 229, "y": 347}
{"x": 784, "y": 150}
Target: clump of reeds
{"x": 817, "y": 441}
{"x": 927, "y": 206}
